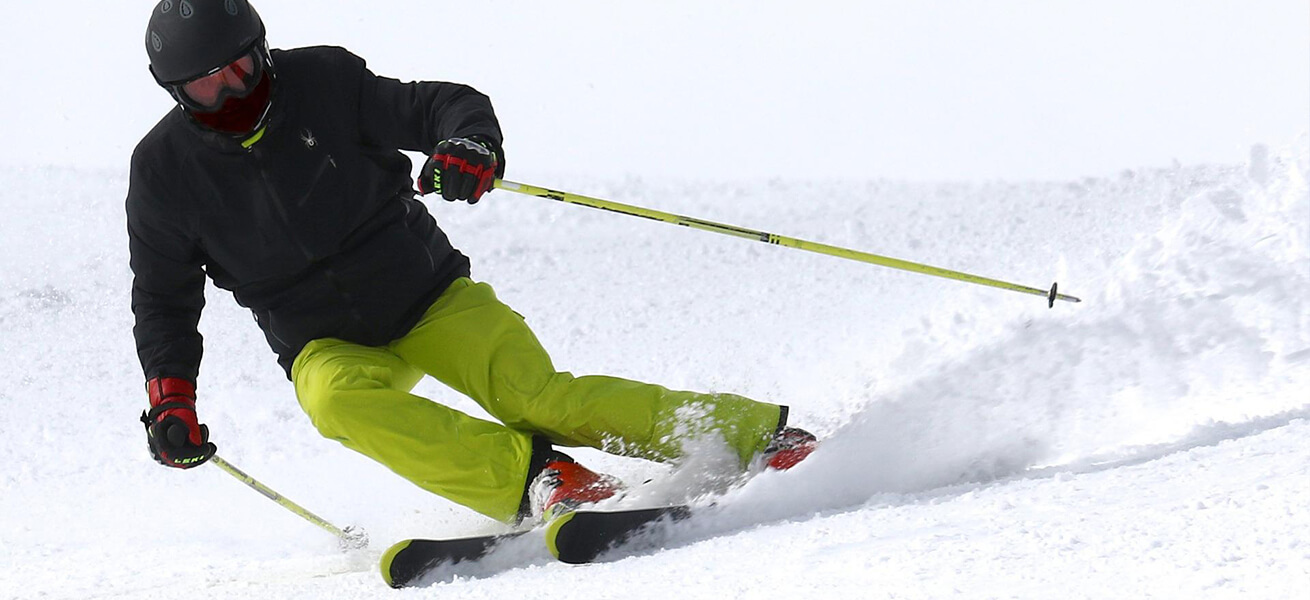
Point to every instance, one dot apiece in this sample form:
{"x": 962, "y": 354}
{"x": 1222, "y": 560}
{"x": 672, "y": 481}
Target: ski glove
{"x": 460, "y": 169}
{"x": 175, "y": 436}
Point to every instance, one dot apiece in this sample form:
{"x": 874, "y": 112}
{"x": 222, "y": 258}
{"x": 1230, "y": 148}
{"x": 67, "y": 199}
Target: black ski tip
{"x": 1050, "y": 299}
{"x": 581, "y": 537}
{"x": 400, "y": 573}
{"x": 408, "y": 562}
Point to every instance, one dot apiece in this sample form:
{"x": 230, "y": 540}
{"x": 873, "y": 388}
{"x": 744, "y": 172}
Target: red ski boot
{"x": 564, "y": 486}
{"x": 789, "y": 446}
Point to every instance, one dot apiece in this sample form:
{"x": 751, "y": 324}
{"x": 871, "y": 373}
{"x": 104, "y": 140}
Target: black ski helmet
{"x": 189, "y": 38}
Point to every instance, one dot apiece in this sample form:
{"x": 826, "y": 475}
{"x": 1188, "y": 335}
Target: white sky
{"x": 924, "y": 90}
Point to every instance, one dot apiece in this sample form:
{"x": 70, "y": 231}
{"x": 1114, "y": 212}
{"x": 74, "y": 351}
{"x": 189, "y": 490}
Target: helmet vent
{"x": 231, "y": 6}
{"x": 155, "y": 42}
{"x": 185, "y": 10}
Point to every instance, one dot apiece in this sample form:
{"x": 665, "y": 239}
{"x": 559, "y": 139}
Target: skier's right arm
{"x": 168, "y": 293}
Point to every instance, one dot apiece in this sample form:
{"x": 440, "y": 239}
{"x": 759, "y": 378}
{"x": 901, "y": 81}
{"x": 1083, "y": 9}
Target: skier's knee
{"x": 322, "y": 406}
{"x": 330, "y": 396}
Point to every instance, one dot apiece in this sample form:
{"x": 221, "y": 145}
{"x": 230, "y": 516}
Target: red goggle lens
{"x": 236, "y": 79}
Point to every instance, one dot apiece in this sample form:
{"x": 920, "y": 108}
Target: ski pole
{"x": 349, "y": 537}
{"x": 531, "y": 190}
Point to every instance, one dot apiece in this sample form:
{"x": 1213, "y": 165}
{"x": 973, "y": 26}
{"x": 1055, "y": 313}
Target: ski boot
{"x": 563, "y": 486}
{"x": 788, "y": 448}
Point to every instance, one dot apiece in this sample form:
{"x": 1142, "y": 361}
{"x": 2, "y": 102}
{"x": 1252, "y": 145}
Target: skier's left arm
{"x": 452, "y": 123}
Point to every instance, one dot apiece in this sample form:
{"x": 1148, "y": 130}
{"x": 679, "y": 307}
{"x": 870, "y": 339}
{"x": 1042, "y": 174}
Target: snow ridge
{"x": 1202, "y": 330}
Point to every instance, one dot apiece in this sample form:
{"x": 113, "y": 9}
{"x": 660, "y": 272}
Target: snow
{"x": 1149, "y": 442}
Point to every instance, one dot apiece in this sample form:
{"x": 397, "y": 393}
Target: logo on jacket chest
{"x": 311, "y": 142}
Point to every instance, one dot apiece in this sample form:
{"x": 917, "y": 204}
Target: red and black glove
{"x": 176, "y": 437}
{"x": 460, "y": 169}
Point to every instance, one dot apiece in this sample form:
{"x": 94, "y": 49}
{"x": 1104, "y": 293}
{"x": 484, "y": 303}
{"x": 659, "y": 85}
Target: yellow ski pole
{"x": 349, "y": 537}
{"x": 531, "y": 190}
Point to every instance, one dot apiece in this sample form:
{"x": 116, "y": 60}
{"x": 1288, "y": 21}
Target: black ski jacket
{"x": 314, "y": 228}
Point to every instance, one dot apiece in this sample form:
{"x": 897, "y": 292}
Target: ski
{"x": 405, "y": 563}
{"x": 577, "y": 537}
{"x": 581, "y": 536}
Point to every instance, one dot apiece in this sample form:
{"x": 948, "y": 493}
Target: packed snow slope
{"x": 1152, "y": 441}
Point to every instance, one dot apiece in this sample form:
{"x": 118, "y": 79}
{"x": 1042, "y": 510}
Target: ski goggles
{"x": 236, "y": 79}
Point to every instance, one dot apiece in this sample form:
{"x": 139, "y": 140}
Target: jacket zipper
{"x": 328, "y": 273}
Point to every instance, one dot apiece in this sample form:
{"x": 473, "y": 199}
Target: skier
{"x": 279, "y": 176}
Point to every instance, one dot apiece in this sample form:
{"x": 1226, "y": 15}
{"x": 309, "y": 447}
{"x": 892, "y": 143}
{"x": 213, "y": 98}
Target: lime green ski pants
{"x": 470, "y": 341}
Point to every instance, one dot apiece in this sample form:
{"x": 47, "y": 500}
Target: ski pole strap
{"x": 779, "y": 240}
